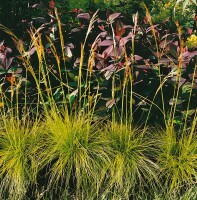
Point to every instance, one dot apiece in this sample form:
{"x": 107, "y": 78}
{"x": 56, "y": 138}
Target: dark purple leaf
{"x": 2, "y": 56}
{"x": 176, "y": 43}
{"x": 2, "y": 60}
{"x": 156, "y": 54}
{"x": 128, "y": 26}
{"x": 99, "y": 65}
{"x": 181, "y": 80}
{"x": 84, "y": 16}
{"x": 163, "y": 44}
{"x": 103, "y": 34}
{"x": 99, "y": 56}
{"x": 169, "y": 37}
{"x": 101, "y": 21}
{"x": 107, "y": 51}
{"x": 7, "y": 50}
{"x": 109, "y": 71}
{"x": 105, "y": 43}
{"x": 114, "y": 16}
{"x": 191, "y": 76}
{"x": 117, "y": 52}
{"x": 165, "y": 61}
{"x": 8, "y": 62}
{"x": 19, "y": 71}
{"x": 166, "y": 40}
{"x": 184, "y": 64}
{"x": 188, "y": 55}
{"x": 151, "y": 28}
{"x": 74, "y": 30}
{"x": 143, "y": 67}
{"x": 117, "y": 38}
{"x": 136, "y": 57}
{"x": 102, "y": 28}
{"x": 124, "y": 40}
{"x": 111, "y": 68}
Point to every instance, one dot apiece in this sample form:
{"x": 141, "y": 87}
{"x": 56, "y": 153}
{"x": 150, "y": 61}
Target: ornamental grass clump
{"x": 177, "y": 159}
{"x": 17, "y": 161}
{"x": 131, "y": 170}
{"x": 74, "y": 154}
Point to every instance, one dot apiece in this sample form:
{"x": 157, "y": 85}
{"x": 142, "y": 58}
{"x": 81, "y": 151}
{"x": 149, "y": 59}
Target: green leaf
{"x": 73, "y": 76}
{"x": 13, "y": 69}
{"x": 178, "y": 120}
{"x": 57, "y": 94}
{"x": 186, "y": 88}
{"x": 145, "y": 109}
{"x": 173, "y": 50}
{"x": 72, "y": 96}
{"x": 2, "y": 71}
{"x": 189, "y": 112}
{"x": 47, "y": 45}
{"x": 72, "y": 84}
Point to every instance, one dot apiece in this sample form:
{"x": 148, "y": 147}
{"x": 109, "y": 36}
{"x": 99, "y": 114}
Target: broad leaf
{"x": 85, "y": 16}
{"x": 113, "y": 16}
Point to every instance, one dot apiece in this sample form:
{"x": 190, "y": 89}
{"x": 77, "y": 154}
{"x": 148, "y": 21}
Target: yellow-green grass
{"x": 74, "y": 152}
{"x": 132, "y": 168}
{"x": 17, "y": 159}
{"x": 177, "y": 160}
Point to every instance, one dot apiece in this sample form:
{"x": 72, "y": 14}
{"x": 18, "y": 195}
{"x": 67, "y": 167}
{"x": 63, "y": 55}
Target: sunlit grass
{"x": 17, "y": 161}
{"x": 177, "y": 159}
{"x": 73, "y": 152}
{"x": 131, "y": 169}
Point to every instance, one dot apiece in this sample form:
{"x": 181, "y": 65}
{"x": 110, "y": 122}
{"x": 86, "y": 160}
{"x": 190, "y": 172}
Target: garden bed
{"x": 99, "y": 104}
